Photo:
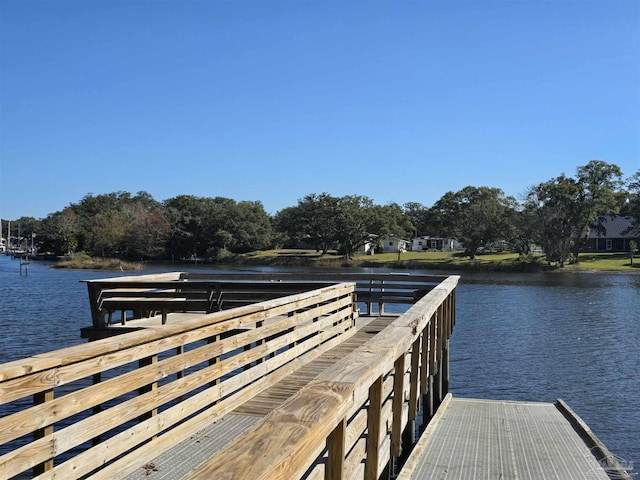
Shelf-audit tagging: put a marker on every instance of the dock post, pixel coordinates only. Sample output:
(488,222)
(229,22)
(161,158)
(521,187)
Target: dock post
(445,369)
(429,409)
(47,465)
(374,426)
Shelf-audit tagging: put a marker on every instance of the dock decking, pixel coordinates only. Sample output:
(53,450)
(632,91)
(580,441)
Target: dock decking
(494,439)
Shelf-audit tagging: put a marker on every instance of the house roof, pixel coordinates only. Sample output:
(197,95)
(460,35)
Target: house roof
(614,226)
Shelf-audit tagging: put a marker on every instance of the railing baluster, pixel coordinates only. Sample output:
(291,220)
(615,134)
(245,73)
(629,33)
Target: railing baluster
(38,399)
(414,388)
(398,400)
(336,452)
(374,423)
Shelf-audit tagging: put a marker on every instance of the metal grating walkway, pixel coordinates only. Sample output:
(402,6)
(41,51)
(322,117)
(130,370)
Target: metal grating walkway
(491,439)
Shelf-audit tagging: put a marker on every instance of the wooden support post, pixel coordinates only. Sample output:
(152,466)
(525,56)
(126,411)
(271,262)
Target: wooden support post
(336,452)
(143,362)
(381,304)
(424,360)
(180,351)
(259,342)
(445,369)
(214,360)
(97,378)
(438,396)
(433,363)
(97,317)
(424,377)
(40,398)
(430,409)
(373,430)
(398,400)
(413,389)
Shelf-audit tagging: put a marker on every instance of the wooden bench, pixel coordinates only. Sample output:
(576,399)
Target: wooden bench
(232,294)
(148,298)
(104,409)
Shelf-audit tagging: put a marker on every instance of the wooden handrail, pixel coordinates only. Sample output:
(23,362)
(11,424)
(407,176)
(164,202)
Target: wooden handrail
(291,440)
(149,403)
(136,395)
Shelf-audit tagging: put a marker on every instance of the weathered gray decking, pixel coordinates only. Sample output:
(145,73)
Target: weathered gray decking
(493,439)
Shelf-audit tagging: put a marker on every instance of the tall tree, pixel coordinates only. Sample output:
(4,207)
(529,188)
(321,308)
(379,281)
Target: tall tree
(353,219)
(556,216)
(313,219)
(476,216)
(632,204)
(422,218)
(148,230)
(67,227)
(390,221)
(599,184)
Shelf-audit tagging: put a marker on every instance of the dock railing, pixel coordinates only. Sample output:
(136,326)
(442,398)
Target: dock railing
(204,292)
(354,419)
(108,407)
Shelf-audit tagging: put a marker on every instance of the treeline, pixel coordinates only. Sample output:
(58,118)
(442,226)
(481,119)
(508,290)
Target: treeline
(553,215)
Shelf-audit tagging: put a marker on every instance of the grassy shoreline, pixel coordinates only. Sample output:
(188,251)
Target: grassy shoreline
(494,262)
(448,261)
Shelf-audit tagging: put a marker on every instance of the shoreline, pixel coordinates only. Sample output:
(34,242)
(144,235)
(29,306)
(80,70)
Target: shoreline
(496,263)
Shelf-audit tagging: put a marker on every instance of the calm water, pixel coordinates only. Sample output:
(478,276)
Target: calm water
(534,337)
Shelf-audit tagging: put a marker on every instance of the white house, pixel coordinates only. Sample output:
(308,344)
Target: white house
(394,244)
(420,244)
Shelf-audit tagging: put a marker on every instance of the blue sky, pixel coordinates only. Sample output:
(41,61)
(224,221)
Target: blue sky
(270,101)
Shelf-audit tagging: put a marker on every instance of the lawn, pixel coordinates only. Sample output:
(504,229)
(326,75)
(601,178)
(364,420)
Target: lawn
(445,260)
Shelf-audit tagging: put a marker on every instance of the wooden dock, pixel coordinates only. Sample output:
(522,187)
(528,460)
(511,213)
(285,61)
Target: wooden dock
(289,380)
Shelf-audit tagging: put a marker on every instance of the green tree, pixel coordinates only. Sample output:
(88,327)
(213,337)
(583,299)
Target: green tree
(632,202)
(599,186)
(353,220)
(556,216)
(251,227)
(67,226)
(313,219)
(476,216)
(147,231)
(187,215)
(389,220)
(522,229)
(422,218)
